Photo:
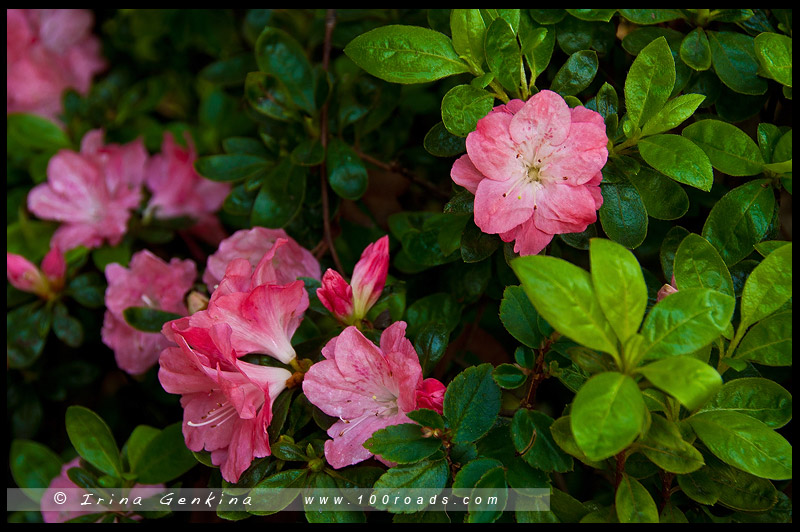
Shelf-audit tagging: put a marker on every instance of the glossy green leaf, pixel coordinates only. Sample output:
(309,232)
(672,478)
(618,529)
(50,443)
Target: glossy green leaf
(689,380)
(739,490)
(608,414)
(674,113)
(774,54)
(729,149)
(463,106)
(686,321)
(734,60)
(649,82)
(229,167)
(664,446)
(768,287)
(281,195)
(699,265)
(695,50)
(663,198)
(576,74)
(768,342)
(427,474)
(403,444)
(346,173)
(678,158)
(279,54)
(562,294)
(441,143)
(165,457)
(471,403)
(148,319)
(469,30)
(33,466)
(519,316)
(503,54)
(530,431)
(623,214)
(739,220)
(650,16)
(405,54)
(634,503)
(509,376)
(762,399)
(92,438)
(744,443)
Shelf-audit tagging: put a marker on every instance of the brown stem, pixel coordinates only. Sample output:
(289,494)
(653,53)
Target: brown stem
(538,375)
(666,484)
(330,22)
(621,457)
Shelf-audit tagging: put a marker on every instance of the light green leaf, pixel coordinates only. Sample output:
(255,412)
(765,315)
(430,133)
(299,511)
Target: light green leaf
(689,380)
(729,149)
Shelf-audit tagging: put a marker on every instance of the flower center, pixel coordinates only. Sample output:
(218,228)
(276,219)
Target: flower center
(533,174)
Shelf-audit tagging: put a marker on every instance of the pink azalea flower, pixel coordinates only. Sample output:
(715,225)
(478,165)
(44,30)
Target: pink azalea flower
(177,189)
(368,388)
(53,512)
(148,282)
(25,276)
(92,192)
(350,303)
(48,51)
(291,262)
(227,403)
(534,168)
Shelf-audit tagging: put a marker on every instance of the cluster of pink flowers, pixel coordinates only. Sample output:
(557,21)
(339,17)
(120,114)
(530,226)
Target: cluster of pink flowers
(256,305)
(534,168)
(94,192)
(48,51)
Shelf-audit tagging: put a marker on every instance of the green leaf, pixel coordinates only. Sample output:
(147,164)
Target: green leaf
(405,54)
(530,431)
(280,196)
(695,50)
(768,287)
(35,132)
(509,376)
(33,466)
(678,158)
(137,443)
(699,265)
(229,167)
(165,457)
(463,106)
(404,443)
(494,480)
(768,342)
(774,54)
(562,294)
(346,173)
(428,475)
(729,149)
(430,344)
(634,503)
(762,399)
(441,143)
(664,446)
(649,82)
(744,443)
(471,403)
(267,95)
(674,113)
(148,319)
(537,45)
(427,418)
(699,486)
(740,219)
(739,490)
(608,414)
(281,488)
(27,328)
(734,60)
(623,214)
(663,198)
(650,16)
(279,54)
(689,380)
(592,15)
(519,317)
(308,153)
(469,475)
(468,29)
(503,54)
(686,321)
(576,74)
(92,438)
(619,285)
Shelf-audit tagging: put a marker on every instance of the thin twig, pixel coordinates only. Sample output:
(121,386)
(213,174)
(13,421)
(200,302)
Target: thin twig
(330,22)
(397,168)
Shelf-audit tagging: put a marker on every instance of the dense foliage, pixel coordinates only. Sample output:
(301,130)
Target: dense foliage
(589,260)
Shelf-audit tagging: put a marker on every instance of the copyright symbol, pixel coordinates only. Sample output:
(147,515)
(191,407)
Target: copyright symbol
(60,497)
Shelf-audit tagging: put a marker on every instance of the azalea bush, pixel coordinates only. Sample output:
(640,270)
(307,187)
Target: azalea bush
(281,252)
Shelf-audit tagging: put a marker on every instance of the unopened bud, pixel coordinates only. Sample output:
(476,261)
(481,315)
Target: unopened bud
(196,302)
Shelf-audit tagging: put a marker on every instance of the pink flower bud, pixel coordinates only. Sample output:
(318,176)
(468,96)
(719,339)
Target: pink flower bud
(431,395)
(23,275)
(336,295)
(369,276)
